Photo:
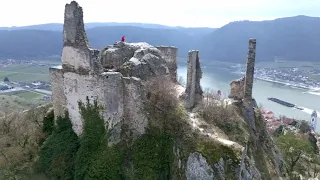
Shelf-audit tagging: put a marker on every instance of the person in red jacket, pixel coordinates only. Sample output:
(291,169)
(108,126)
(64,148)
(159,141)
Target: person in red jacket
(123,38)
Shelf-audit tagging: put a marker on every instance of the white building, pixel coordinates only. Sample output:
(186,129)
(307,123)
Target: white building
(313,122)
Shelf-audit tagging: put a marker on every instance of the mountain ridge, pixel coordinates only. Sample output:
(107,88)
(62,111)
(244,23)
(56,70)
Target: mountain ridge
(292,38)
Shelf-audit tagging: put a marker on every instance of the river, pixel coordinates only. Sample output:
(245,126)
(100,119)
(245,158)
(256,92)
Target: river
(218,78)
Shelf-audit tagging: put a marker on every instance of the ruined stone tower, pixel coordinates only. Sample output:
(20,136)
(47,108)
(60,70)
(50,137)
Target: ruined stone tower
(114,76)
(241,89)
(193,90)
(250,70)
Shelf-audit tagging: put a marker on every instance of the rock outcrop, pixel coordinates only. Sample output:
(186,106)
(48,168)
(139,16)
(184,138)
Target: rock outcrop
(117,77)
(198,168)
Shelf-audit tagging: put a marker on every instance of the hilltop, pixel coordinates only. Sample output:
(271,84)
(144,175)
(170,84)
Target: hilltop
(292,38)
(119,113)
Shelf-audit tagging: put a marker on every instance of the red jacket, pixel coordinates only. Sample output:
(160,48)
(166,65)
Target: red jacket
(122,39)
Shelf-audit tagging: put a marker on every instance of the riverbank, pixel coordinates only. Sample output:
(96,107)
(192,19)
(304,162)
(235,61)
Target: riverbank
(314,93)
(309,90)
(285,83)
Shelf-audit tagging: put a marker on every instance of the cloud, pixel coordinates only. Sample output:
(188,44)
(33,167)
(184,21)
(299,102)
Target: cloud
(213,13)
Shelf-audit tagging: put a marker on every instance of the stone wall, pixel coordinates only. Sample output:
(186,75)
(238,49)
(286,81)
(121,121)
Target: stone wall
(134,96)
(110,90)
(58,97)
(193,90)
(170,54)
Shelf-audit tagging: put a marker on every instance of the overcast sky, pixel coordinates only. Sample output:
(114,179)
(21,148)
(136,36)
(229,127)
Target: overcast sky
(189,13)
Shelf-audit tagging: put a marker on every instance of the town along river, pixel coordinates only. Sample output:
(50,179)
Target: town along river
(217,77)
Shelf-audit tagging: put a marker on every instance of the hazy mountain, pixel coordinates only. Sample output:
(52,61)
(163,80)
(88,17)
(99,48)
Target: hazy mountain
(59,27)
(34,44)
(293,38)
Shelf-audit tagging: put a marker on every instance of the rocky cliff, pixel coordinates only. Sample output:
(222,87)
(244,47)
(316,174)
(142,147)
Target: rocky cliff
(167,132)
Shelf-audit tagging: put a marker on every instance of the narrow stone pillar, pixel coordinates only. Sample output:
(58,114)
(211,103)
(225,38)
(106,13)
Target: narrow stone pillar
(194,92)
(76,54)
(73,29)
(250,70)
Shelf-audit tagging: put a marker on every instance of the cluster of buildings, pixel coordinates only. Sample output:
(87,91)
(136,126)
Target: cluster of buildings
(291,75)
(34,84)
(4,87)
(272,122)
(8,62)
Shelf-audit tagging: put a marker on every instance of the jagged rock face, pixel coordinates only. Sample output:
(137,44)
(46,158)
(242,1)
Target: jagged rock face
(198,168)
(264,152)
(237,89)
(135,60)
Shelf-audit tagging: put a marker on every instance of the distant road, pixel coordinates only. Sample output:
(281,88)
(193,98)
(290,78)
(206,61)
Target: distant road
(25,73)
(17,88)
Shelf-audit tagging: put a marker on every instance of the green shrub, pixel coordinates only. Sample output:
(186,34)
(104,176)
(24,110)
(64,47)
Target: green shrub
(220,114)
(313,142)
(153,155)
(92,137)
(106,164)
(57,154)
(48,123)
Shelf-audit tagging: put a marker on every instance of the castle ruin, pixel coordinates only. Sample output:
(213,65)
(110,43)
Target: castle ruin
(115,76)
